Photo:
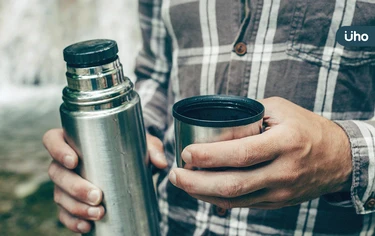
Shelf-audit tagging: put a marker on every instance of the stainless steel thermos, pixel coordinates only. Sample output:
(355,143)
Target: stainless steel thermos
(102,120)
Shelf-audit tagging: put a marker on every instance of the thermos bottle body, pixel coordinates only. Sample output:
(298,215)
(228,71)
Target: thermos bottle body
(102,121)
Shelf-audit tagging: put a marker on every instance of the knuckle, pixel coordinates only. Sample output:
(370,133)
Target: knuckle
(47,135)
(225,203)
(69,221)
(292,176)
(300,139)
(289,174)
(79,190)
(288,178)
(250,155)
(62,217)
(244,159)
(57,196)
(295,140)
(231,188)
(283,196)
(52,171)
(187,186)
(77,210)
(201,156)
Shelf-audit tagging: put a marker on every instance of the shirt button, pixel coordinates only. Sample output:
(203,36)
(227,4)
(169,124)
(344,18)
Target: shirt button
(370,204)
(221,211)
(240,48)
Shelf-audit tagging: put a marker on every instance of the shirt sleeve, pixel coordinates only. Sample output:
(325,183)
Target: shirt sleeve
(362,140)
(153,65)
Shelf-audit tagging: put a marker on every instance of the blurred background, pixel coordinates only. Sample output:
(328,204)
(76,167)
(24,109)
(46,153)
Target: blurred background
(33,34)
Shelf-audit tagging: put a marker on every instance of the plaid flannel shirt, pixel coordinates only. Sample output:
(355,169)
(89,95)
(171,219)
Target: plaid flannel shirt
(288,49)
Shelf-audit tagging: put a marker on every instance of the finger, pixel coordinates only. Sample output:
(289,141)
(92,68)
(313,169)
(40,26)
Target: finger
(156,152)
(243,152)
(268,205)
(228,203)
(73,223)
(264,198)
(225,184)
(77,208)
(59,150)
(74,185)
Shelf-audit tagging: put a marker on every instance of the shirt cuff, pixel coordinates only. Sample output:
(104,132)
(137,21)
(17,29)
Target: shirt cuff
(361,136)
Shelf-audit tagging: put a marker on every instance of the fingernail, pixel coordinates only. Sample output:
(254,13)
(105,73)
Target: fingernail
(93,212)
(186,156)
(94,196)
(81,226)
(69,161)
(172,177)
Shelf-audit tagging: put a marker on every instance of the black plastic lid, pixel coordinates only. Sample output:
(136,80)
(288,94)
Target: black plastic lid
(91,53)
(218,111)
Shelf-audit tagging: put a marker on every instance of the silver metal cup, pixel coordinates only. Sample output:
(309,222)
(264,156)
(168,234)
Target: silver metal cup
(214,118)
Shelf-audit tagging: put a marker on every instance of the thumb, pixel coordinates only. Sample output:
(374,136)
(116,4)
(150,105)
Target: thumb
(156,151)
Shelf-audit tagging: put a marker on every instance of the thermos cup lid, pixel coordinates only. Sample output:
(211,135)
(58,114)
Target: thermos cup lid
(218,111)
(91,53)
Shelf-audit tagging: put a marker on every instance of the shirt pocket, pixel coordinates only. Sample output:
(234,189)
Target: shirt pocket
(313,30)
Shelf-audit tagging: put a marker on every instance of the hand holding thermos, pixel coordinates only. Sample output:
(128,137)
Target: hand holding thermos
(103,125)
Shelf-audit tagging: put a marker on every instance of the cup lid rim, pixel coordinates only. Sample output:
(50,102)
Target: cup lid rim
(252,104)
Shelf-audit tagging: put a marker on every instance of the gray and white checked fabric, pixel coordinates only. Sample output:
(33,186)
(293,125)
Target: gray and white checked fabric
(188,50)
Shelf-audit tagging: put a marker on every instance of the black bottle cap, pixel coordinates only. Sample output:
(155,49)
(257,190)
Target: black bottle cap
(91,53)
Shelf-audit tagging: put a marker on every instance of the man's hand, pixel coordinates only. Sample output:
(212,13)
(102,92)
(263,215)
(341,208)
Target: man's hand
(299,157)
(79,200)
